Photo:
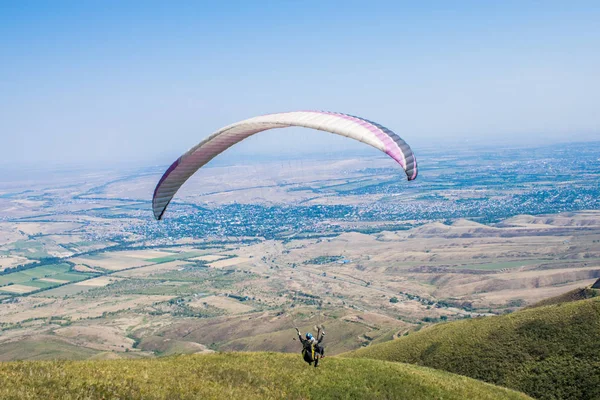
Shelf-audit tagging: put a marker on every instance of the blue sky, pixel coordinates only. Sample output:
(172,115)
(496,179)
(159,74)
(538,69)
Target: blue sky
(105,82)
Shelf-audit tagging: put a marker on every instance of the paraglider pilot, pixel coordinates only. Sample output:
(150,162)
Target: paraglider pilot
(311,346)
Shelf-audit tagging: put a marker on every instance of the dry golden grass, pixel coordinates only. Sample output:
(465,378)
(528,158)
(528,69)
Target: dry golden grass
(229,262)
(114,261)
(99,282)
(97,337)
(152,269)
(52,280)
(76,309)
(225,303)
(18,288)
(11,261)
(84,268)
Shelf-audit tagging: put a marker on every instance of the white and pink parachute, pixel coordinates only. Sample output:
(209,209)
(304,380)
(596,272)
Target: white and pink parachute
(350,126)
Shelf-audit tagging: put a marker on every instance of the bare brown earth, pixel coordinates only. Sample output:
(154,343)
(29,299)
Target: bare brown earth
(11,261)
(143,306)
(173,295)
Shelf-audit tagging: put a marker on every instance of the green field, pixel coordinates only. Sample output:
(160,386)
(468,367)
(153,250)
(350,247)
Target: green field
(30,277)
(238,376)
(41,284)
(15,277)
(548,352)
(45,271)
(28,248)
(72,276)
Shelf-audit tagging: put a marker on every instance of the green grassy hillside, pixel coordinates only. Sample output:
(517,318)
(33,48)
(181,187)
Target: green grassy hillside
(237,376)
(547,352)
(573,295)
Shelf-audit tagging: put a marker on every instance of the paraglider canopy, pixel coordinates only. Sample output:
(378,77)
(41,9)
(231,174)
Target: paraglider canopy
(350,126)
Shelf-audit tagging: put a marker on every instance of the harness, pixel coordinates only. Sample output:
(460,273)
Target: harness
(312,350)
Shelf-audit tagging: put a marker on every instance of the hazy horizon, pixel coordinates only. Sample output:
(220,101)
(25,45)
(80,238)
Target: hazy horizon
(141,83)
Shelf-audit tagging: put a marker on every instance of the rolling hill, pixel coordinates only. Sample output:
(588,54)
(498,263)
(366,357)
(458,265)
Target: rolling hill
(573,295)
(548,352)
(238,375)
